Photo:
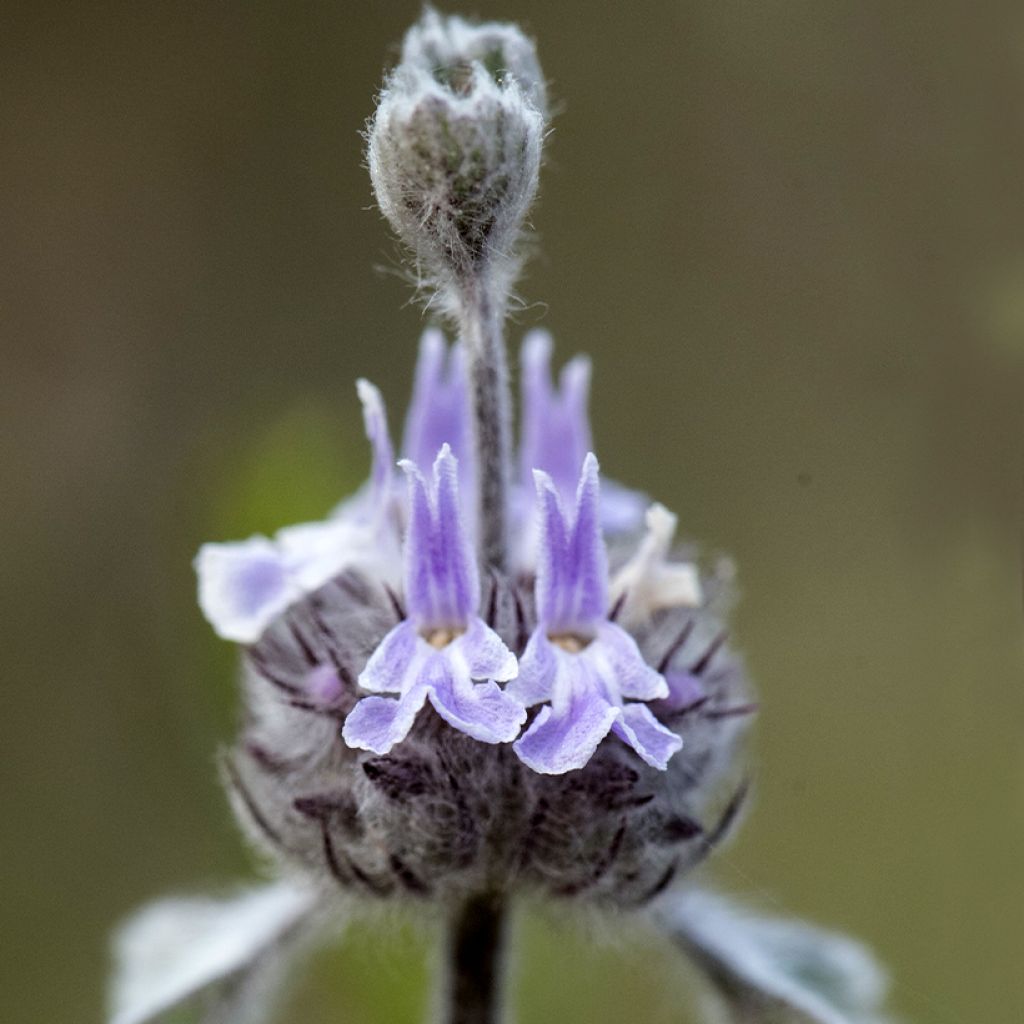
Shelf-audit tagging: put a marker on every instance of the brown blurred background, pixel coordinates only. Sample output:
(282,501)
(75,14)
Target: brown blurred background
(792,236)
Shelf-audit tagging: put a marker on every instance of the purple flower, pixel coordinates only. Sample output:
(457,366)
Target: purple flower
(584,665)
(555,433)
(245,585)
(439,409)
(442,646)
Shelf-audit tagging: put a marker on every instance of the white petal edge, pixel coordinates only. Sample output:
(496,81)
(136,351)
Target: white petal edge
(804,974)
(174,950)
(236,610)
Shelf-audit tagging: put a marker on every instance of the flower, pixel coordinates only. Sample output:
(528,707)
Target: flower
(439,410)
(556,436)
(245,585)
(625,774)
(443,645)
(577,659)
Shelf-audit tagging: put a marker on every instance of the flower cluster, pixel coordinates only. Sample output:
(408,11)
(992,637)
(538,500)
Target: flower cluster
(582,670)
(584,688)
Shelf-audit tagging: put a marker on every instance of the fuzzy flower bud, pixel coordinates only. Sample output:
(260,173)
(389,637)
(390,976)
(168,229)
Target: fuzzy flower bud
(455,145)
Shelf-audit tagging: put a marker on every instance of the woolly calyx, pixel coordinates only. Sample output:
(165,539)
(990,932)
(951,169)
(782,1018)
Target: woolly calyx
(455,145)
(441,44)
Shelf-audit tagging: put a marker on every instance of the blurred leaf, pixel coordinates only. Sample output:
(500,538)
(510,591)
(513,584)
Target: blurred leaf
(771,970)
(203,961)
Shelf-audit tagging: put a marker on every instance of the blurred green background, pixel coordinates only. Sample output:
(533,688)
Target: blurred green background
(791,234)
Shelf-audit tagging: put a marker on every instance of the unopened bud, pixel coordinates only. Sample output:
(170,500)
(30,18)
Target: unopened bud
(441,45)
(455,145)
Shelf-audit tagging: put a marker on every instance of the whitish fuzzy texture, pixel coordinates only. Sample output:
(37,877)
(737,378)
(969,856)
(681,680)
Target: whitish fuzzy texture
(439,44)
(443,816)
(772,969)
(221,958)
(454,149)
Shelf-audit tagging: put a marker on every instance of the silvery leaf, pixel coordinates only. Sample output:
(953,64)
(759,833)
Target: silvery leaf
(767,970)
(208,961)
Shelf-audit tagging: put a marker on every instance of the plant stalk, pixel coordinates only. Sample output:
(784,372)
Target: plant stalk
(475,953)
(481,316)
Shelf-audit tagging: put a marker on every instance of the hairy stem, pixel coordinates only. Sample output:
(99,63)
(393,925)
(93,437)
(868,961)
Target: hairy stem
(475,951)
(481,313)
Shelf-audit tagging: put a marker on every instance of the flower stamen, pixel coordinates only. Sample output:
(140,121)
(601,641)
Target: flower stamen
(441,638)
(571,643)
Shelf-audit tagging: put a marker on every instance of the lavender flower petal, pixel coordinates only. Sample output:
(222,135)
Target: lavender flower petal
(572,566)
(622,509)
(243,587)
(378,723)
(376,422)
(442,588)
(638,727)
(323,684)
(439,409)
(622,661)
(390,667)
(483,653)
(538,671)
(555,426)
(556,434)
(313,553)
(684,690)
(564,739)
(480,710)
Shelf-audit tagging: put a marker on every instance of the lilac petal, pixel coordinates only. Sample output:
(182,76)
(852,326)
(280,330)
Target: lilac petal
(622,509)
(314,553)
(646,735)
(684,690)
(378,723)
(243,587)
(323,684)
(442,588)
(375,419)
(480,710)
(391,666)
(439,408)
(620,659)
(483,653)
(572,565)
(538,669)
(559,742)
(555,426)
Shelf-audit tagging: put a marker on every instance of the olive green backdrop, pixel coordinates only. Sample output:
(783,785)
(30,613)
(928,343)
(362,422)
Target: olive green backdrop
(791,234)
